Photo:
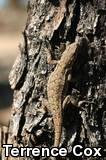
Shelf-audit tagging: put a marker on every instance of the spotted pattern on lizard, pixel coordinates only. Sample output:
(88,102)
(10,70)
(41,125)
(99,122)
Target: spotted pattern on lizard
(56,84)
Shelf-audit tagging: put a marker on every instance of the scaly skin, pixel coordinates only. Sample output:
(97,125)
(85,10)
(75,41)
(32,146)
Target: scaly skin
(55,87)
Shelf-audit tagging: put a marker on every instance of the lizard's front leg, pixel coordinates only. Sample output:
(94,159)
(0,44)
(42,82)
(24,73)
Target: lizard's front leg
(48,50)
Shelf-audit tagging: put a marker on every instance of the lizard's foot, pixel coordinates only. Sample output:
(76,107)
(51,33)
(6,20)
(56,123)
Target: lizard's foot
(48,49)
(45,104)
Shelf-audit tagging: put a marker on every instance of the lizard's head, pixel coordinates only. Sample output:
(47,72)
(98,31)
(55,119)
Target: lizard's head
(72,50)
(69,55)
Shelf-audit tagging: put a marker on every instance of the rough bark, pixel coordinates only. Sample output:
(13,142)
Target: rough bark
(59,22)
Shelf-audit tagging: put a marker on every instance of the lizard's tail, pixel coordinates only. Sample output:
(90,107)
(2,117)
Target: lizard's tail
(58,128)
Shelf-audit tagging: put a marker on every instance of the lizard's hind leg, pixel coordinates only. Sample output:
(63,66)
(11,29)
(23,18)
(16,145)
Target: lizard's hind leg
(69,99)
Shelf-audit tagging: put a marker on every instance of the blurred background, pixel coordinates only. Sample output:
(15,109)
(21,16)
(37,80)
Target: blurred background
(12,22)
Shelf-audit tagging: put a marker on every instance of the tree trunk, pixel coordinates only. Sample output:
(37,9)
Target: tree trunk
(54,24)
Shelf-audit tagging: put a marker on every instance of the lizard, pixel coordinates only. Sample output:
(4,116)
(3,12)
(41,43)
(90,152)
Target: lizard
(56,84)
